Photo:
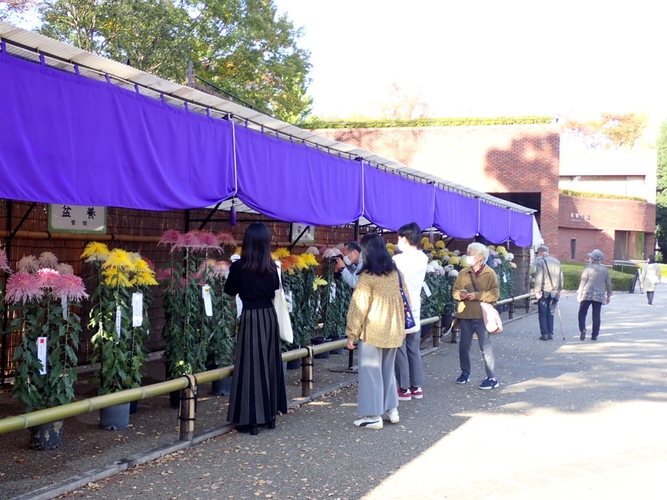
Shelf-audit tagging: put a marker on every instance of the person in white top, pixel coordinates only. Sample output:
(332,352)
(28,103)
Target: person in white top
(412,263)
(651,276)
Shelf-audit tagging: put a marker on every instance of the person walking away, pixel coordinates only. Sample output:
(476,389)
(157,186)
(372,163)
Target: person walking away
(411,262)
(376,319)
(594,290)
(548,285)
(650,277)
(258,384)
(475,284)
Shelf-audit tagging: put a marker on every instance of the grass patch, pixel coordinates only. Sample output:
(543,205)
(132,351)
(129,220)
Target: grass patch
(572,276)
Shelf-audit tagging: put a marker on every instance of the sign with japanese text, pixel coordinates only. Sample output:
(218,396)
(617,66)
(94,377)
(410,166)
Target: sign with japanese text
(77,219)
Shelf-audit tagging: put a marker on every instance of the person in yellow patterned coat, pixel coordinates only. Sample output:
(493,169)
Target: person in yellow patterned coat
(376,319)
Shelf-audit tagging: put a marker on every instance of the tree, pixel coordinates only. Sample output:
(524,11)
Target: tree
(661,199)
(611,131)
(241,46)
(403,105)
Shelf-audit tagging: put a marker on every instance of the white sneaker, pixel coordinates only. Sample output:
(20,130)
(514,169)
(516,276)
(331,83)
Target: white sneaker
(392,416)
(370,422)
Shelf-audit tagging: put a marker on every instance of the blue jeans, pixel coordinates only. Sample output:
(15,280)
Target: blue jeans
(546,315)
(468,327)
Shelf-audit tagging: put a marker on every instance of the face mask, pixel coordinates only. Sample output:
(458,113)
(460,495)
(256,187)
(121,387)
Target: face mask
(470,260)
(347,260)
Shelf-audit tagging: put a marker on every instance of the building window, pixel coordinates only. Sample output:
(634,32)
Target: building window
(573,249)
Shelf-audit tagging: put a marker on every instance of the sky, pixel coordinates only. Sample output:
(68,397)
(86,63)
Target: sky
(485,58)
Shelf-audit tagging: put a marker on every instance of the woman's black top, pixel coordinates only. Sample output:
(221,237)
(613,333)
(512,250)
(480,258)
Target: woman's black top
(255,289)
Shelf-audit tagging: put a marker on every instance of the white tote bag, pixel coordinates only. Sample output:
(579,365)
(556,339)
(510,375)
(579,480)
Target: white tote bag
(280,304)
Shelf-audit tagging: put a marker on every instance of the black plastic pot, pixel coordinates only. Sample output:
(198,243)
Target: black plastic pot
(446,320)
(222,387)
(133,407)
(116,417)
(294,364)
(318,341)
(339,350)
(46,436)
(426,331)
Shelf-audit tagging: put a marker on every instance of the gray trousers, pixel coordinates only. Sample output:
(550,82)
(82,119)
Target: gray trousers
(468,327)
(409,367)
(377,384)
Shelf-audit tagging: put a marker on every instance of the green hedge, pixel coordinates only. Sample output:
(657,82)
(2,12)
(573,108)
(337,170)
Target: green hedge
(583,194)
(429,122)
(626,268)
(572,275)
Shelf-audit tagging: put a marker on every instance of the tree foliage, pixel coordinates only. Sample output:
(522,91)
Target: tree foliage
(661,199)
(242,46)
(403,105)
(611,131)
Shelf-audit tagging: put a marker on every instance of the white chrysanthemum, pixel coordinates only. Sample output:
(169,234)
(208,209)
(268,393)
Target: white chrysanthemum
(457,252)
(509,256)
(313,251)
(448,268)
(430,267)
(453,273)
(331,252)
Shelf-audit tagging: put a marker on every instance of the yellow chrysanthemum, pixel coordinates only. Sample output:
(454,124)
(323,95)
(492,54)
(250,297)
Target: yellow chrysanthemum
(141,266)
(425,240)
(115,277)
(512,265)
(441,253)
(427,245)
(391,251)
(454,260)
(501,250)
(119,258)
(300,262)
(145,278)
(282,252)
(95,252)
(390,246)
(309,260)
(238,252)
(440,244)
(134,257)
(463,263)
(491,247)
(318,282)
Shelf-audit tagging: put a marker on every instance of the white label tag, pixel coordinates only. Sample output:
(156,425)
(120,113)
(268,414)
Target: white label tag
(208,304)
(41,354)
(137,309)
(505,278)
(119,316)
(332,292)
(426,289)
(289,299)
(65,306)
(239,306)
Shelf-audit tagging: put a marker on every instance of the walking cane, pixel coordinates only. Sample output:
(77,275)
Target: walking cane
(560,319)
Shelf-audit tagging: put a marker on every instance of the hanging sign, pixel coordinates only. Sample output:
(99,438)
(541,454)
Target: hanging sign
(137,309)
(119,317)
(208,304)
(41,354)
(426,289)
(65,218)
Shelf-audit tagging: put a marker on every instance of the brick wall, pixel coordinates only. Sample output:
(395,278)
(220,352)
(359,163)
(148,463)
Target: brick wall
(500,160)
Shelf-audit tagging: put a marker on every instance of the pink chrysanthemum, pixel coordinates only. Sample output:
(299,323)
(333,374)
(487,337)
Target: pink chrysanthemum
(64,269)
(221,269)
(70,287)
(169,238)
(23,287)
(206,266)
(48,260)
(226,239)
(4,263)
(47,278)
(28,264)
(209,241)
(164,274)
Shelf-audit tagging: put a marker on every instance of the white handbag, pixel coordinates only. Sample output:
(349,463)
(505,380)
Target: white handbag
(280,305)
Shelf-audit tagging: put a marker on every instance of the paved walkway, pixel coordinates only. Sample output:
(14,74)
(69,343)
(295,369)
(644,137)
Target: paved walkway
(571,420)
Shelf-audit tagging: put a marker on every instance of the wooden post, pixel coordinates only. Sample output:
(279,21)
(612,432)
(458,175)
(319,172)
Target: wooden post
(437,333)
(186,412)
(511,312)
(307,373)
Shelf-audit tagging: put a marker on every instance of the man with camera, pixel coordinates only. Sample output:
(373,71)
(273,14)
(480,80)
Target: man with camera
(548,285)
(350,263)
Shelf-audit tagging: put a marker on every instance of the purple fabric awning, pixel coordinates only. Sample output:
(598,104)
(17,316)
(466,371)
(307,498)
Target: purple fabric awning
(65,138)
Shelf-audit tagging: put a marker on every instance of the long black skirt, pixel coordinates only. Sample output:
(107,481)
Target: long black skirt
(258,383)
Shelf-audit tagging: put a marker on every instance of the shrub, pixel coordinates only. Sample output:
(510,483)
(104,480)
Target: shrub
(572,274)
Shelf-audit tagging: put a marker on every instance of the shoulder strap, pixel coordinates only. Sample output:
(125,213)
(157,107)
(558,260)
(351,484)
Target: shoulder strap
(546,264)
(472,278)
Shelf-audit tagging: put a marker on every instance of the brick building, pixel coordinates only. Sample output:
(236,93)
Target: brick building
(524,164)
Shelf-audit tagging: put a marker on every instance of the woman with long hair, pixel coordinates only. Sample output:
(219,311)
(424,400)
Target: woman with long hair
(651,275)
(258,383)
(377,319)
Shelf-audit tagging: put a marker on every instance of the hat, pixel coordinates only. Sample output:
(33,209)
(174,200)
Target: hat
(596,255)
(542,248)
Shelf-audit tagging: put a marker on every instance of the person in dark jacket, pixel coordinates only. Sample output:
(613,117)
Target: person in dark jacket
(258,384)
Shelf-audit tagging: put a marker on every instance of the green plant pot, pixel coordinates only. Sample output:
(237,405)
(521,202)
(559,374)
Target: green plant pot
(46,436)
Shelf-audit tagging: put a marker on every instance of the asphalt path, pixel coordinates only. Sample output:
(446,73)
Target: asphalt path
(571,419)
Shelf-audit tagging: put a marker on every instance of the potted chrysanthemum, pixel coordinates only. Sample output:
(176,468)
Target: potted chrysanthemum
(45,300)
(119,320)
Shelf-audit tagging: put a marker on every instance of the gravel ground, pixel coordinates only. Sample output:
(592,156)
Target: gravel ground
(571,419)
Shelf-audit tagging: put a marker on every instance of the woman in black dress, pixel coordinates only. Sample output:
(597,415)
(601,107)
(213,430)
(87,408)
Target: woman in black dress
(258,383)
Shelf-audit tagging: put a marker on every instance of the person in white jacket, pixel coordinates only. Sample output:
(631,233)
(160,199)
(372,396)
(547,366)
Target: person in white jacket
(650,277)
(412,263)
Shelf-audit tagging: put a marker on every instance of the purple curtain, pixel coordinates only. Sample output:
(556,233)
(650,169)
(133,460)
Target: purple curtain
(296,183)
(456,215)
(494,223)
(521,228)
(391,201)
(69,139)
